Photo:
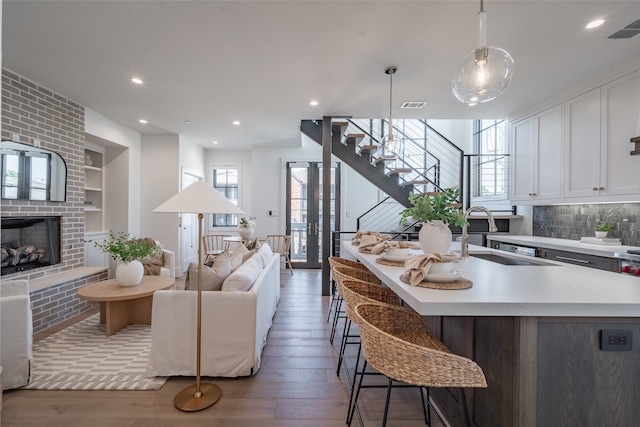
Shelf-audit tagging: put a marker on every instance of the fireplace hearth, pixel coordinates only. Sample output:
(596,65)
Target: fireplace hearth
(30,242)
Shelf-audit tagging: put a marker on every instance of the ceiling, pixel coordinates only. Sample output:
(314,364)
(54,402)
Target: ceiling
(208,63)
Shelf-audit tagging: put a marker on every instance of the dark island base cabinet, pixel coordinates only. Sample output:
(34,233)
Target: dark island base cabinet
(543,372)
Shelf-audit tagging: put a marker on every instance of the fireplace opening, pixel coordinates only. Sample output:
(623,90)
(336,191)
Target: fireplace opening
(30,242)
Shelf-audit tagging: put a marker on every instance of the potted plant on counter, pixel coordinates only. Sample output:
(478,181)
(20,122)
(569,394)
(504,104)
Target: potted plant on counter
(437,210)
(602,230)
(127,251)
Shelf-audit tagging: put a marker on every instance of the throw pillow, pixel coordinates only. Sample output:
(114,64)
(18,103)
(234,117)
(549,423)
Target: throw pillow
(242,279)
(237,257)
(265,254)
(212,277)
(152,264)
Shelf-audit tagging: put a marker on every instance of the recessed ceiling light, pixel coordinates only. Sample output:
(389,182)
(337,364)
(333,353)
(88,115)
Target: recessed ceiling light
(313,103)
(595,24)
(143,121)
(236,122)
(214,142)
(136,81)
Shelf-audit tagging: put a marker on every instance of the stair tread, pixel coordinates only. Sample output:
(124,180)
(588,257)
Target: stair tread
(364,148)
(352,138)
(384,159)
(418,182)
(340,124)
(397,171)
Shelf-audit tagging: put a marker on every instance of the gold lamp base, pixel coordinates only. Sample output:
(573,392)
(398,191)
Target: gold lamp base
(186,400)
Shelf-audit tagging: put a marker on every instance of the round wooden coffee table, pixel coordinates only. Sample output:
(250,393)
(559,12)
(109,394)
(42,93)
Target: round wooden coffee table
(125,305)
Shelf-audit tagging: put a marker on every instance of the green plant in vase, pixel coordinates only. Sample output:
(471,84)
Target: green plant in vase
(442,206)
(602,230)
(437,210)
(128,251)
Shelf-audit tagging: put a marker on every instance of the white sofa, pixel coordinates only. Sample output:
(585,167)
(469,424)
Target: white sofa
(16,334)
(235,325)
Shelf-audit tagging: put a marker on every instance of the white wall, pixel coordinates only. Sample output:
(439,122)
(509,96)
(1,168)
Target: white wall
(110,130)
(460,132)
(263,171)
(160,168)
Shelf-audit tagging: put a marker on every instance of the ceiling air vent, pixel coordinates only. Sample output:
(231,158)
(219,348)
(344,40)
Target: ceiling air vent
(627,32)
(413,104)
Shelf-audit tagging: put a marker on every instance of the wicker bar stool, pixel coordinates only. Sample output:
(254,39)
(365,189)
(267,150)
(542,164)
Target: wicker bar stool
(341,272)
(335,296)
(398,344)
(356,292)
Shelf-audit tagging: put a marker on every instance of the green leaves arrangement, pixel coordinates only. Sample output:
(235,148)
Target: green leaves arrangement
(126,249)
(603,227)
(443,206)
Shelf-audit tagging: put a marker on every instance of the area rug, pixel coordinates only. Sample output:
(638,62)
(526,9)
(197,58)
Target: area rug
(82,357)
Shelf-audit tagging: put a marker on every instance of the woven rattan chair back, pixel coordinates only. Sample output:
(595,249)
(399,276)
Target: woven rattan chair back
(357,292)
(397,343)
(341,273)
(343,262)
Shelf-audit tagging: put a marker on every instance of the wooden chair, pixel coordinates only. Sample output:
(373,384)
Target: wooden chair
(214,244)
(281,244)
(398,344)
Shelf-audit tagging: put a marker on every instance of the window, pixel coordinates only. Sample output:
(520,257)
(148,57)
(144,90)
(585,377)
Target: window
(225,180)
(26,177)
(489,167)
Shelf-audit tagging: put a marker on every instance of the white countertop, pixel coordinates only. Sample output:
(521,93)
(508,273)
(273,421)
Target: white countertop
(556,289)
(561,244)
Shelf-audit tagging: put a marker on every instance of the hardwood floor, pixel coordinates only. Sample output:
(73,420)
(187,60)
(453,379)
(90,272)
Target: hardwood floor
(295,386)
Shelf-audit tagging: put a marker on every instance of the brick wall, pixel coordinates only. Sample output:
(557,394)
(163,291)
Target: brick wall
(36,113)
(55,304)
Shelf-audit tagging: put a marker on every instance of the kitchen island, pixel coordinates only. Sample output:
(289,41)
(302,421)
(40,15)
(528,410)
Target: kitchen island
(536,332)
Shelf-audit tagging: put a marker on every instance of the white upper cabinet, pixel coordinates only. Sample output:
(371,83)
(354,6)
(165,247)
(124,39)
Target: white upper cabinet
(536,158)
(582,145)
(620,171)
(598,127)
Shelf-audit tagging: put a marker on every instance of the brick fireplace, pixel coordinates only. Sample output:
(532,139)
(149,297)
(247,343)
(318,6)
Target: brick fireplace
(34,115)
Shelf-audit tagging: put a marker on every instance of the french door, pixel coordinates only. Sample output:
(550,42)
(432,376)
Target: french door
(304,210)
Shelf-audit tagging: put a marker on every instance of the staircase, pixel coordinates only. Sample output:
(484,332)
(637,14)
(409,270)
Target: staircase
(427,162)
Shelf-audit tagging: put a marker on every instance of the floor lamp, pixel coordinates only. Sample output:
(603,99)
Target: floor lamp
(198,198)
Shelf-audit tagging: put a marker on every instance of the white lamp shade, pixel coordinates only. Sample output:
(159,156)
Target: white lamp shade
(476,81)
(199,198)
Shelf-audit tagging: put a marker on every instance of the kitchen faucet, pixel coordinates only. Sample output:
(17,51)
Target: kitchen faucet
(464,241)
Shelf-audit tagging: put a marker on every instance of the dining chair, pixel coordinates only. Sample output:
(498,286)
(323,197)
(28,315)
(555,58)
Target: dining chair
(281,244)
(214,244)
(398,344)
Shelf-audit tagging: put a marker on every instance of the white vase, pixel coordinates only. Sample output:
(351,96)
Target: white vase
(245,233)
(601,234)
(129,273)
(435,237)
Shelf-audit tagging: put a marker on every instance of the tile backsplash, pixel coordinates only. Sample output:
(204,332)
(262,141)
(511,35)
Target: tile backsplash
(575,221)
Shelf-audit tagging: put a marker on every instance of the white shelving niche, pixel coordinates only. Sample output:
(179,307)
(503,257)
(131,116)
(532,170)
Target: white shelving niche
(94,183)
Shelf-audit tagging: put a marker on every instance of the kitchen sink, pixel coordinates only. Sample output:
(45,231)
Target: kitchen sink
(508,260)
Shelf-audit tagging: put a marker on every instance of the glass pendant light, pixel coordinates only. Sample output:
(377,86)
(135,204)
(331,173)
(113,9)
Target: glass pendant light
(485,73)
(390,145)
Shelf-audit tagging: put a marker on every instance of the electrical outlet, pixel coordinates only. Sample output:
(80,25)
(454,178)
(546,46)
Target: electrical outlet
(616,340)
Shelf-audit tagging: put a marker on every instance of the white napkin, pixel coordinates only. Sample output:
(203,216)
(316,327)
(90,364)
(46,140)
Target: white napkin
(417,268)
